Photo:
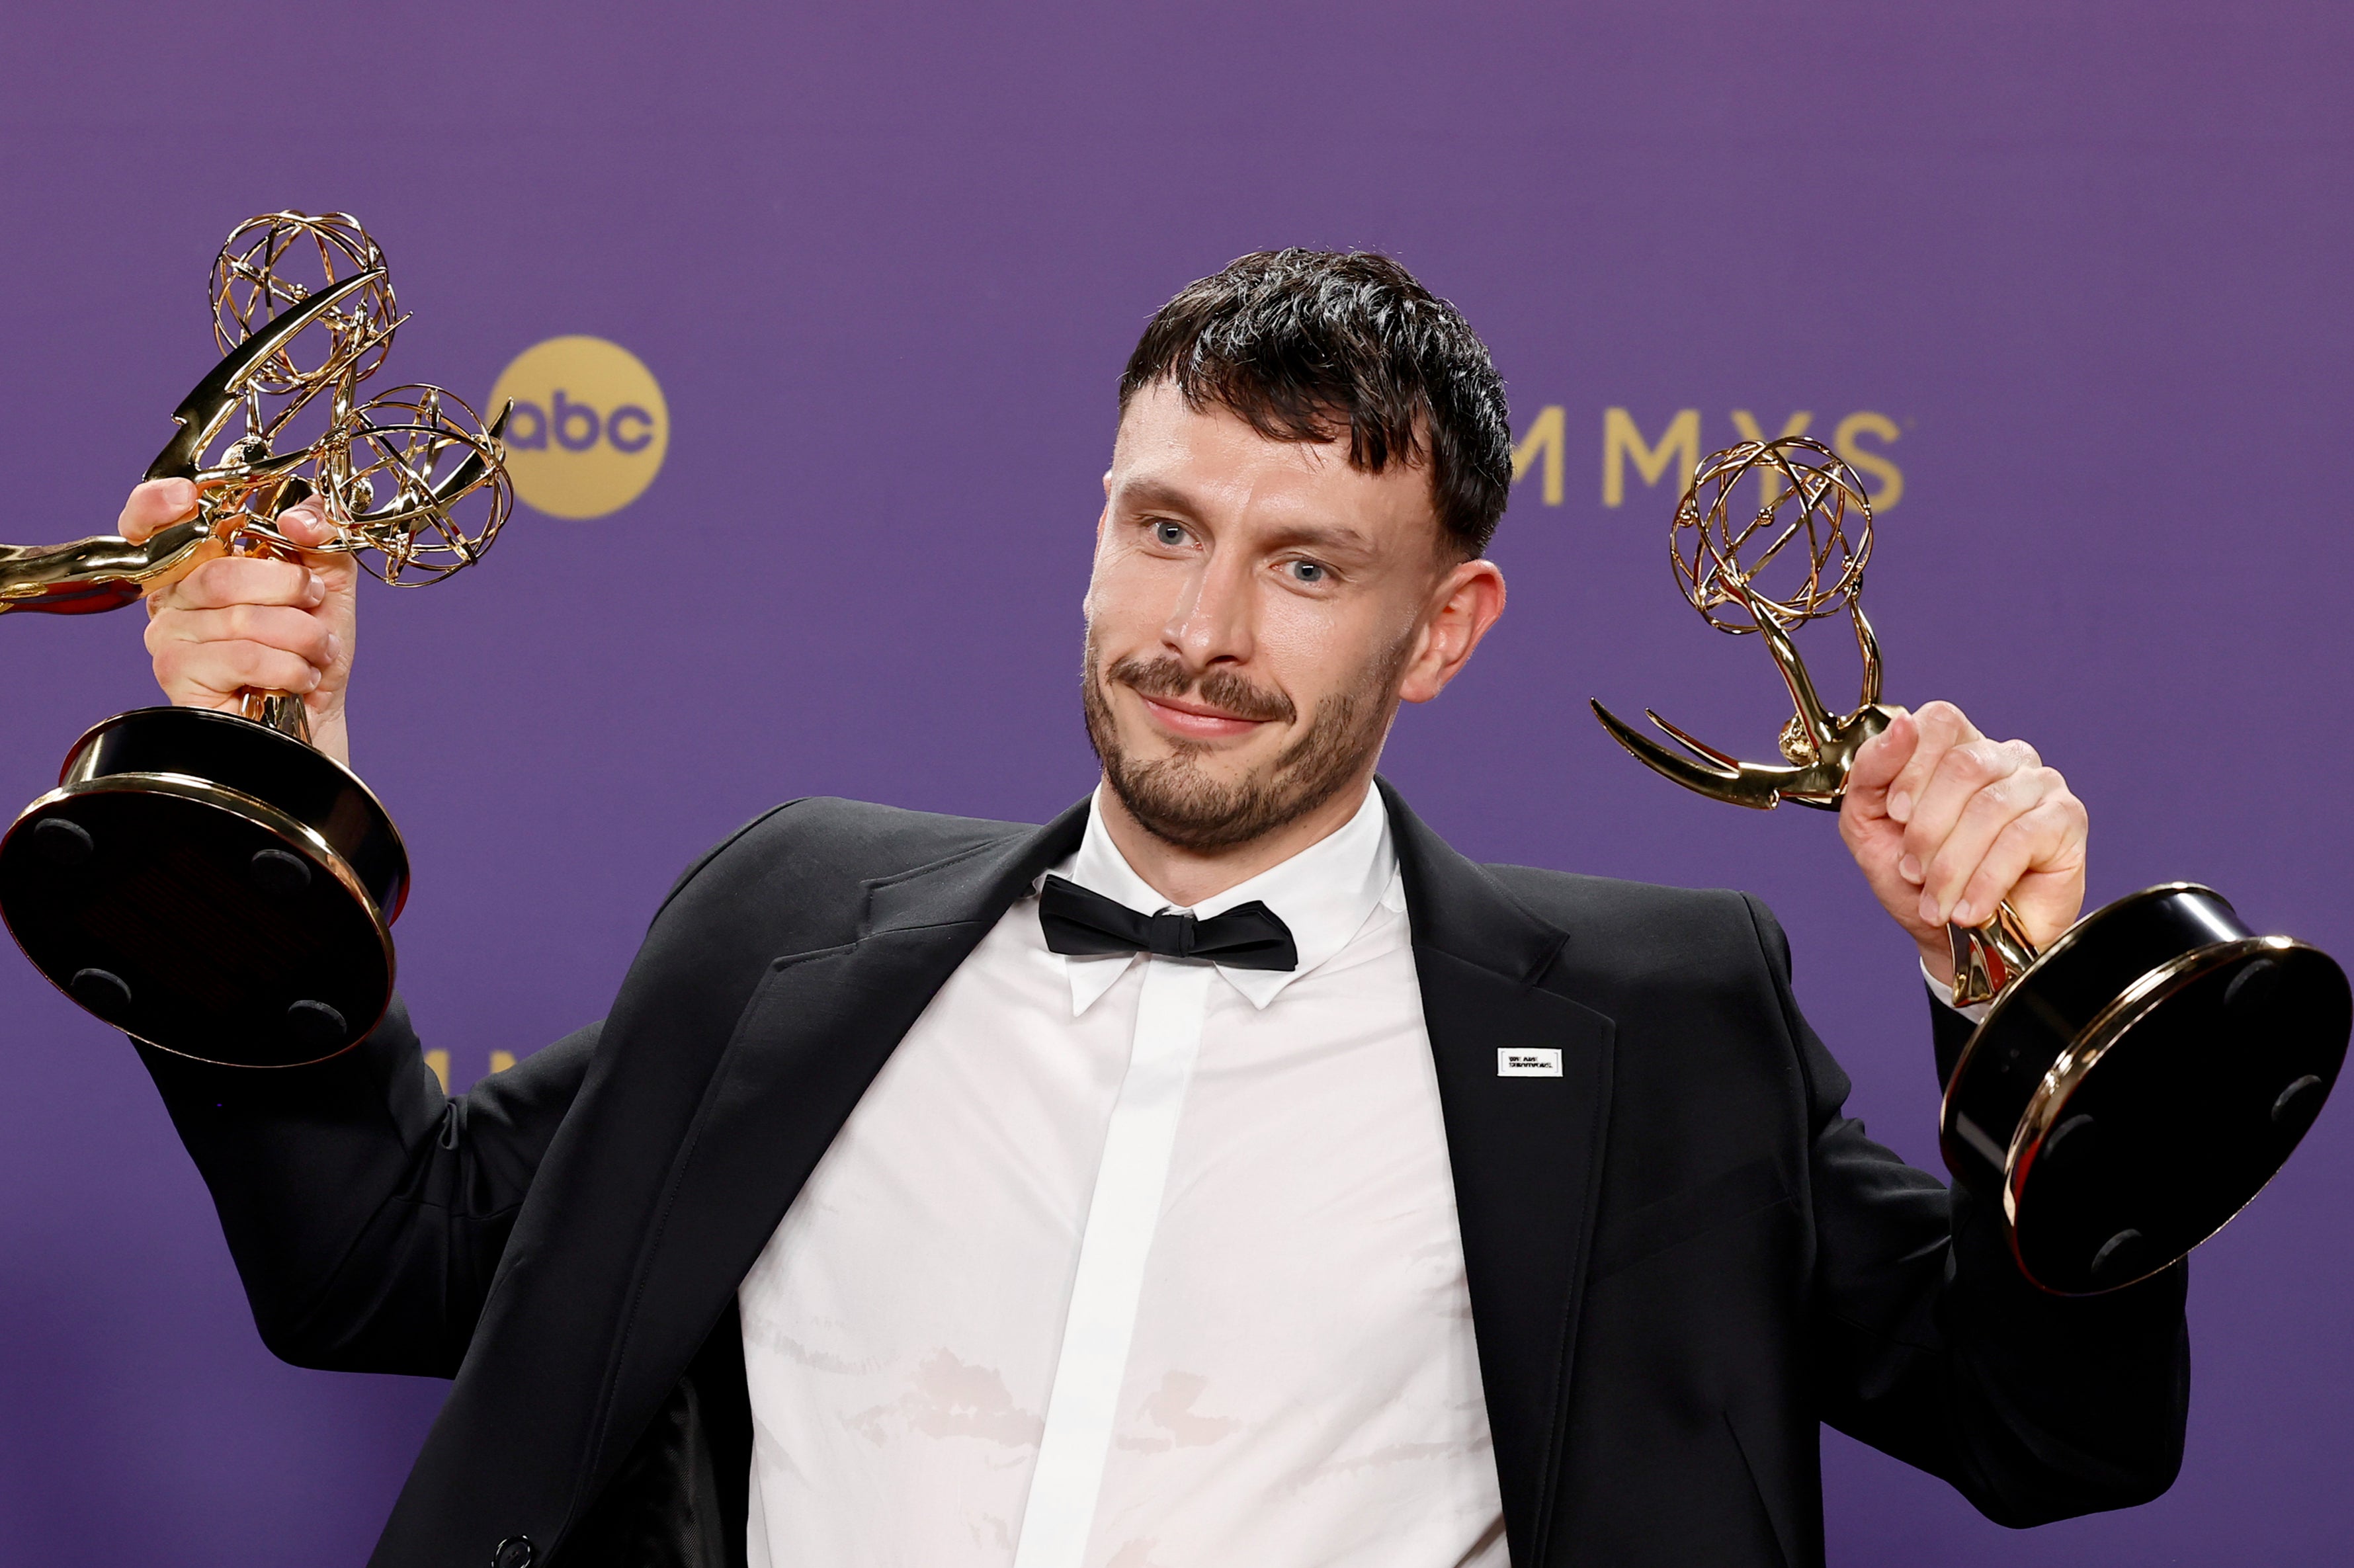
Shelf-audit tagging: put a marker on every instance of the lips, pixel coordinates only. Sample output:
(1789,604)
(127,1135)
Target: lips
(1195,722)
(1198,710)
(1211,706)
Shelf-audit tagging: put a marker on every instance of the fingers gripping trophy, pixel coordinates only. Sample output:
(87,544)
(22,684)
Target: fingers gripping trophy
(2133,1085)
(209,882)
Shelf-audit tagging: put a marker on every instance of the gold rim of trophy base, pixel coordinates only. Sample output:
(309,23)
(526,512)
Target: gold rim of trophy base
(83,756)
(262,814)
(2083,1054)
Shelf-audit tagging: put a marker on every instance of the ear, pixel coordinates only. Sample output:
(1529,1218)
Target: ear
(1467,601)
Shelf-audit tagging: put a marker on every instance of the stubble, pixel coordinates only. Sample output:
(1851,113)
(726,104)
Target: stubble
(1181,802)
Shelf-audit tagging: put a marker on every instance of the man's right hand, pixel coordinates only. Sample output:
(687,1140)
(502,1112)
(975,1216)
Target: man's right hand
(243,622)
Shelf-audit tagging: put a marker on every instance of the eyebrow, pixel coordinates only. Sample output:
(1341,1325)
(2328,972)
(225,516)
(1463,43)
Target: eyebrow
(1156,494)
(1331,539)
(1159,495)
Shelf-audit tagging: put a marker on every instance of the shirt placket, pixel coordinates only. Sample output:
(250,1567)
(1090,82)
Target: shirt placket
(1115,1246)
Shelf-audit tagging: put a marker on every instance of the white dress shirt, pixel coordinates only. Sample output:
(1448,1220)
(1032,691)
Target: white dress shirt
(1132,1262)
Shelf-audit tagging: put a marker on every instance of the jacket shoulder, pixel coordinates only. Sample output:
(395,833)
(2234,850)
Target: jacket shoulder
(817,853)
(1644,930)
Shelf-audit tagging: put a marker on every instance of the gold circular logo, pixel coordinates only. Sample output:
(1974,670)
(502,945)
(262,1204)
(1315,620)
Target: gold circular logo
(589,426)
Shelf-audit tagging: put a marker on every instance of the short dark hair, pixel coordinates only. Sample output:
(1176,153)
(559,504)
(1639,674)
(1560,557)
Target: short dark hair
(1297,342)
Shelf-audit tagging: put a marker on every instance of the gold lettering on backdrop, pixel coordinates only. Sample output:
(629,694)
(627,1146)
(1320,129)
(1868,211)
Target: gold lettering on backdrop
(438,1063)
(1541,449)
(1621,441)
(1548,434)
(1880,426)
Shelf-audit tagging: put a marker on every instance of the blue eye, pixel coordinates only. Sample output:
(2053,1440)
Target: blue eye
(1169,533)
(1306,572)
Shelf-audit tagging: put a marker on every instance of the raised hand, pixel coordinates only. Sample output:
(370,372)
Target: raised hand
(1946,823)
(243,622)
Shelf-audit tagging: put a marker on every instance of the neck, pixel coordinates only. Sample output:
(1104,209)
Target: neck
(1187,876)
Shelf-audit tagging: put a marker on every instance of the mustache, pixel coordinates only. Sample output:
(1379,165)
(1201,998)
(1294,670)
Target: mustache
(1219,688)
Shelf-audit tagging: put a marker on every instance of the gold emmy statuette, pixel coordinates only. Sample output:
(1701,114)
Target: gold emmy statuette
(2134,1084)
(209,882)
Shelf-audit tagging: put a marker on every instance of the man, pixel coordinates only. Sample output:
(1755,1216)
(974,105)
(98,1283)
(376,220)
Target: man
(1226,1172)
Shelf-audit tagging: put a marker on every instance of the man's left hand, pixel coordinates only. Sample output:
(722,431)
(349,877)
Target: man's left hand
(1946,824)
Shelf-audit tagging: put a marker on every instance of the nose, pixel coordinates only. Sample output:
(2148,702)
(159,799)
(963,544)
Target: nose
(1213,620)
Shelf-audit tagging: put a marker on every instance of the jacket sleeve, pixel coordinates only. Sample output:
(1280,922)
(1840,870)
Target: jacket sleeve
(364,1208)
(1930,1345)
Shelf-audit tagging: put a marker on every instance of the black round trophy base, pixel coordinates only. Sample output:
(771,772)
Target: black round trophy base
(211,887)
(2140,1083)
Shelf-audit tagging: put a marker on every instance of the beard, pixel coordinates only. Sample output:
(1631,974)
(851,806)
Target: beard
(1179,801)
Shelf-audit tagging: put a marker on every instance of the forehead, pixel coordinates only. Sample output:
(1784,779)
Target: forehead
(1212,462)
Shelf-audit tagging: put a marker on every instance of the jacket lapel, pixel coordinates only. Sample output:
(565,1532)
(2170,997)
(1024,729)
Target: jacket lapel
(1526,1153)
(819,1028)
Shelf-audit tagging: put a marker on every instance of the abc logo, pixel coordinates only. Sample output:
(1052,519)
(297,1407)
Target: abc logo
(589,426)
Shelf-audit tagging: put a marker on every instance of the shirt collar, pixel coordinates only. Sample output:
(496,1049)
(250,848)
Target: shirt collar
(1325,894)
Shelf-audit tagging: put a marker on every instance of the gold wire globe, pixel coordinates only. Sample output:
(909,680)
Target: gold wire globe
(1798,554)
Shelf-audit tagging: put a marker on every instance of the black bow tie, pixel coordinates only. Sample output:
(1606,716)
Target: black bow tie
(1080,922)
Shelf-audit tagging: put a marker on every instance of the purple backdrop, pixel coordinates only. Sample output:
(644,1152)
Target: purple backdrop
(2091,263)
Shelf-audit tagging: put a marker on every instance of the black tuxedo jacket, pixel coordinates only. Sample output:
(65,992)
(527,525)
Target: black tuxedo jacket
(1681,1257)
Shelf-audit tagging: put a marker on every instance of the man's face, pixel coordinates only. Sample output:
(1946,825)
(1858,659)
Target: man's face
(1257,609)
